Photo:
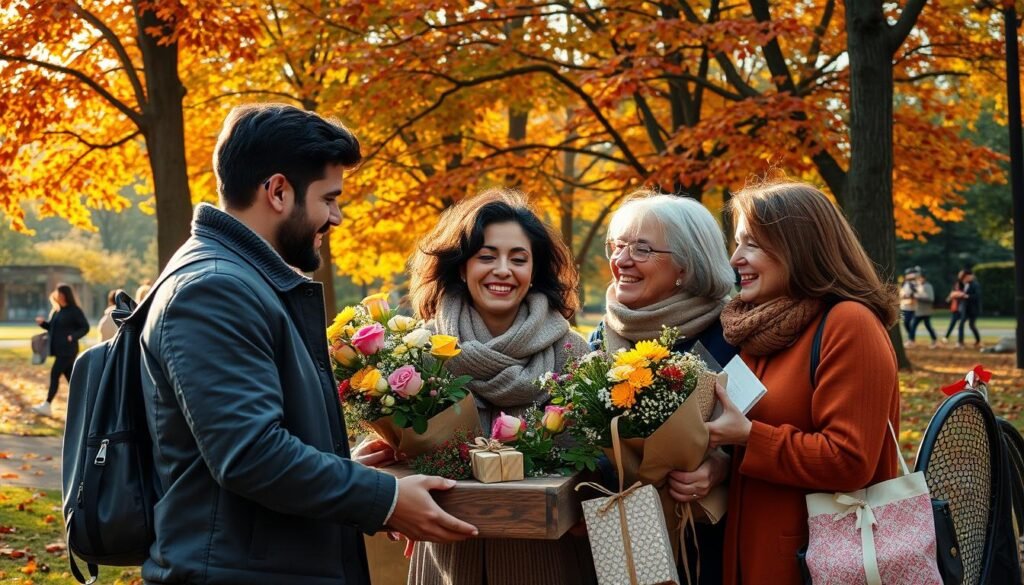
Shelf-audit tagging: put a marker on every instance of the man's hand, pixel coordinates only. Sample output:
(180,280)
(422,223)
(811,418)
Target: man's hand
(689,486)
(373,452)
(418,517)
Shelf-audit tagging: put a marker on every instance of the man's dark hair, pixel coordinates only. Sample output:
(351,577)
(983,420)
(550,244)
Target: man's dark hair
(259,140)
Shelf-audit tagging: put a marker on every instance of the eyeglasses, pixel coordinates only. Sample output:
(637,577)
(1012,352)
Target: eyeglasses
(638,251)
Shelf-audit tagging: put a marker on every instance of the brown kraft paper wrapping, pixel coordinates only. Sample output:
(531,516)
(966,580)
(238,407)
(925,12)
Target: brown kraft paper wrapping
(441,427)
(681,442)
(497,466)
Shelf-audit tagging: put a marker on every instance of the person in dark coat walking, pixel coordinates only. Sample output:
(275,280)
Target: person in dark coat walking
(970,309)
(67,324)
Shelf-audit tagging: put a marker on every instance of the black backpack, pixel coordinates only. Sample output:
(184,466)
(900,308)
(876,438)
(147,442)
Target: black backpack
(108,477)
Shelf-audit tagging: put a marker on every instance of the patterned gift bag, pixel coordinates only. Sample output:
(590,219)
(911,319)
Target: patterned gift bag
(628,534)
(881,535)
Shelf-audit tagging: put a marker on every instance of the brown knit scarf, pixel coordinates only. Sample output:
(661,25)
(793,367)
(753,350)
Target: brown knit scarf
(766,328)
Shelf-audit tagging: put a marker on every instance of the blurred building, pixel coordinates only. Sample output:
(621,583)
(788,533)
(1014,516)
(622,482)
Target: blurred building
(25,291)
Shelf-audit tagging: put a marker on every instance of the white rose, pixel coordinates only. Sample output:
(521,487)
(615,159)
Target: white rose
(401,323)
(416,338)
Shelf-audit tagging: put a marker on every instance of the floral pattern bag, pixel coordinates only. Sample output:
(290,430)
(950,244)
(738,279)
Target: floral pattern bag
(883,534)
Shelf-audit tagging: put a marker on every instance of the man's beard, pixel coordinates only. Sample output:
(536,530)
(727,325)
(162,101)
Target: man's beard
(298,241)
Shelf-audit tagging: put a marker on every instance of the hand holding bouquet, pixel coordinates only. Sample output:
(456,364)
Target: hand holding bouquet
(662,400)
(393,378)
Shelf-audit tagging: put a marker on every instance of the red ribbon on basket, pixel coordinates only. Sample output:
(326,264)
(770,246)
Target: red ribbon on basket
(980,375)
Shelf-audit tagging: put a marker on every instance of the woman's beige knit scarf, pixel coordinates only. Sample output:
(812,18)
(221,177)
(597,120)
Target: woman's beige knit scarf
(623,326)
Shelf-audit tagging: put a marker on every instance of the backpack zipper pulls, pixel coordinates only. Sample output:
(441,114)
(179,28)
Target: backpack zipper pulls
(78,498)
(101,455)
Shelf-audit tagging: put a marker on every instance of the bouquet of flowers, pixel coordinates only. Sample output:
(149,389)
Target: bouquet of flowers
(661,400)
(393,379)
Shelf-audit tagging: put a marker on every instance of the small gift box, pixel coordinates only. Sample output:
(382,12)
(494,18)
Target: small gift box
(629,538)
(493,462)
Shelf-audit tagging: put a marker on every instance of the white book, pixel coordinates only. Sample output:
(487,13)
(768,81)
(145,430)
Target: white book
(742,386)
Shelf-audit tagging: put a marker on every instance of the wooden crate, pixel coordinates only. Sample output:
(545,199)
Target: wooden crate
(539,508)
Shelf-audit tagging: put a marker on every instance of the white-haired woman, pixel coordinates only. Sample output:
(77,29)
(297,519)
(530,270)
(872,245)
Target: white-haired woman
(670,266)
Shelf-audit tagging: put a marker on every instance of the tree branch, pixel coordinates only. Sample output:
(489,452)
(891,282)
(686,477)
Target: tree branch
(898,32)
(215,98)
(92,145)
(122,54)
(132,115)
(929,74)
(458,84)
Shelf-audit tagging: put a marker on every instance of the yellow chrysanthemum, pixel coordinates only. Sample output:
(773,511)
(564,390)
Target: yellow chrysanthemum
(623,395)
(641,378)
(651,350)
(337,328)
(630,358)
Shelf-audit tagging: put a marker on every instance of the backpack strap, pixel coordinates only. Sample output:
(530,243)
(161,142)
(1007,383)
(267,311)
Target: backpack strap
(94,571)
(816,345)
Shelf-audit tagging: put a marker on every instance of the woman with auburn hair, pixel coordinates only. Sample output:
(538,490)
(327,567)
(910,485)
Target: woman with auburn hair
(797,258)
(493,275)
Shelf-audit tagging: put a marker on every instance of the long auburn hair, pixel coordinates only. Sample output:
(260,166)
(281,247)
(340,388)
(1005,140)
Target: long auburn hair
(798,226)
(435,267)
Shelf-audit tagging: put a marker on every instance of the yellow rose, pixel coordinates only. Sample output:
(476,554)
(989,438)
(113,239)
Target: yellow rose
(344,354)
(377,305)
(620,373)
(444,346)
(401,323)
(369,381)
(337,328)
(400,349)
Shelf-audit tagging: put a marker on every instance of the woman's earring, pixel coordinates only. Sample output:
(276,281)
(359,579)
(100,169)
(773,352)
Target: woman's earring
(679,282)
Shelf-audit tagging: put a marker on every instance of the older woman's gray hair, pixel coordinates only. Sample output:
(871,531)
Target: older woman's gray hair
(692,234)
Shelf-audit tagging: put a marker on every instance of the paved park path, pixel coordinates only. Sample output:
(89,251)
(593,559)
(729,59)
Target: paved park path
(30,461)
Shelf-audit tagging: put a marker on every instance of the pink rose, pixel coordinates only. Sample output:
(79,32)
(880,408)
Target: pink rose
(405,381)
(369,339)
(507,428)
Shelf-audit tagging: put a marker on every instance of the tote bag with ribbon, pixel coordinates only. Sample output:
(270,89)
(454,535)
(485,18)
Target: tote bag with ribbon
(882,534)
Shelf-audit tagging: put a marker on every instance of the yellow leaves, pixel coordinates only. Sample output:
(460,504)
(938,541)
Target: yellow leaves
(98,266)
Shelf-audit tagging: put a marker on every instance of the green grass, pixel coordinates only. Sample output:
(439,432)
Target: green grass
(18,331)
(32,541)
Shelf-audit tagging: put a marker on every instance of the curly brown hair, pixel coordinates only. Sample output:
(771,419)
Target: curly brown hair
(435,267)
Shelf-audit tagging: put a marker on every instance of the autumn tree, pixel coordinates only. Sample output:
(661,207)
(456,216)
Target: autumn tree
(690,97)
(94,101)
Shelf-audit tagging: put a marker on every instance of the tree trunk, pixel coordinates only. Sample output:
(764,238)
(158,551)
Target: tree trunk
(566,209)
(325,274)
(517,122)
(868,189)
(164,130)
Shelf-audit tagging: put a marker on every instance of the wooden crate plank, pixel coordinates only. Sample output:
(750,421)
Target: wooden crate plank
(539,508)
